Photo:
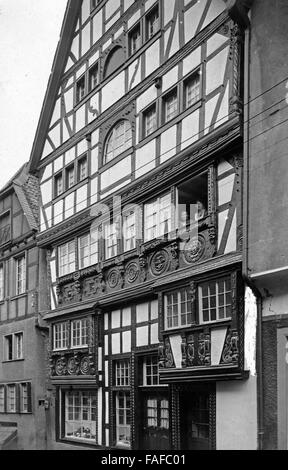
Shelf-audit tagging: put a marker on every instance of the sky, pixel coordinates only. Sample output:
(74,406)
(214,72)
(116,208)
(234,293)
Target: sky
(29,33)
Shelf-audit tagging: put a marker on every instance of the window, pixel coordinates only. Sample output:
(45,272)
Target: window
(80,415)
(80,89)
(79,333)
(20,275)
(66,258)
(170,106)
(70,177)
(93,77)
(11,398)
(150,120)
(1,282)
(115,59)
(82,169)
(123,418)
(150,371)
(192,89)
(2,398)
(88,249)
(119,140)
(129,231)
(215,300)
(110,233)
(18,339)
(192,200)
(25,397)
(5,228)
(135,39)
(8,340)
(122,373)
(157,217)
(58,185)
(177,309)
(13,345)
(152,23)
(157,413)
(60,336)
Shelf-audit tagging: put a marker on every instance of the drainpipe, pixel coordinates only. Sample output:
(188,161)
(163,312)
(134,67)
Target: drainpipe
(245,269)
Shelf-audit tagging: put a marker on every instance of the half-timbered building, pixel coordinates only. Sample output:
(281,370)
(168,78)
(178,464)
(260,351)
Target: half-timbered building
(152,328)
(22,337)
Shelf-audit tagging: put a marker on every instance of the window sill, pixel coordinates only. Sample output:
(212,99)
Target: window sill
(13,360)
(18,296)
(198,326)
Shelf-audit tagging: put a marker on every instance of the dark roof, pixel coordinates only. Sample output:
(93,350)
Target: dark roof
(58,68)
(26,187)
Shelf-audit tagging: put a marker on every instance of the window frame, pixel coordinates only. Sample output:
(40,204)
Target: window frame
(81,344)
(165,97)
(64,411)
(2,282)
(80,96)
(89,245)
(58,177)
(8,409)
(59,257)
(145,364)
(80,160)
(125,228)
(158,234)
(145,112)
(23,281)
(148,15)
(122,373)
(5,213)
(136,26)
(198,71)
(64,335)
(6,347)
(2,398)
(188,314)
(112,134)
(216,281)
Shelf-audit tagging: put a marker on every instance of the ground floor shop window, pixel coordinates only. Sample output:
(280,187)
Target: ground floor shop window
(80,415)
(123,414)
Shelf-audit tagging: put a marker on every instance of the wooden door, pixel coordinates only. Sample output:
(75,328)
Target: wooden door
(154,430)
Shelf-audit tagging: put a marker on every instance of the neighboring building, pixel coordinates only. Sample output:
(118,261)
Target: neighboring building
(152,327)
(22,350)
(266,247)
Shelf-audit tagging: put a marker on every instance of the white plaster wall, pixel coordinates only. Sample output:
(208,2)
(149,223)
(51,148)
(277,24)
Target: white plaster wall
(236,410)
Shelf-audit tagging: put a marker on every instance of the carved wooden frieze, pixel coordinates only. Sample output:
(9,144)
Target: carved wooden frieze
(230,354)
(80,363)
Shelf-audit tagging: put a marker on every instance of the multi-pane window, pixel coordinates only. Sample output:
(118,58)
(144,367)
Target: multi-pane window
(80,415)
(70,177)
(122,373)
(79,333)
(66,254)
(152,23)
(24,397)
(150,371)
(11,398)
(157,218)
(80,89)
(192,90)
(93,77)
(170,106)
(157,413)
(13,345)
(119,140)
(59,185)
(20,275)
(1,282)
(177,309)
(150,120)
(2,398)
(110,233)
(5,228)
(129,231)
(88,249)
(135,39)
(123,414)
(18,345)
(60,335)
(82,169)
(215,300)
